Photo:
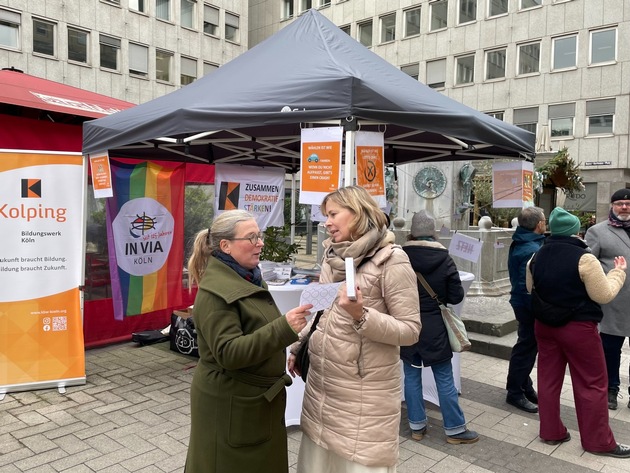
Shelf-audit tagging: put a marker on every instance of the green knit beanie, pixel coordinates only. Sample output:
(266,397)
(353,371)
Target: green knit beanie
(562,223)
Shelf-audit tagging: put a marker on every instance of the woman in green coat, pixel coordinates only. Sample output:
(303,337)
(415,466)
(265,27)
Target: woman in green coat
(238,391)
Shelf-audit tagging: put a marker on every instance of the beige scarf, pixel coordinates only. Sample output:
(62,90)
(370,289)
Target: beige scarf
(365,247)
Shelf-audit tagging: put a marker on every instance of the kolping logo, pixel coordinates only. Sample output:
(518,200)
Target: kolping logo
(32,188)
(141,225)
(228,195)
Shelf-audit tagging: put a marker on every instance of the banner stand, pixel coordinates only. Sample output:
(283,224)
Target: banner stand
(59,384)
(41,270)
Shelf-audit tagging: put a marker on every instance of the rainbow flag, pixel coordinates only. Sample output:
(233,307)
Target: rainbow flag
(145,235)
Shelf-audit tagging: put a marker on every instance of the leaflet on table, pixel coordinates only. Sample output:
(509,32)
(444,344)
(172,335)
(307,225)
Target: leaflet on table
(320,295)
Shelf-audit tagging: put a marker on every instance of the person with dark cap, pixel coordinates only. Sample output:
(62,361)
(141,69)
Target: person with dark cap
(526,240)
(433,350)
(608,239)
(567,280)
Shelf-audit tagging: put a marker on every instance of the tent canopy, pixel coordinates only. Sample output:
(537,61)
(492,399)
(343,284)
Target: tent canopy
(310,73)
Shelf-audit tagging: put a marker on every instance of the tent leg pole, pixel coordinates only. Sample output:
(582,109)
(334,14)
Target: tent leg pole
(349,167)
(292,208)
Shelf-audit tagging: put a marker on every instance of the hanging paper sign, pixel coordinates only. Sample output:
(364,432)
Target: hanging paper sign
(320,169)
(369,155)
(258,190)
(316,214)
(101,175)
(513,184)
(465,247)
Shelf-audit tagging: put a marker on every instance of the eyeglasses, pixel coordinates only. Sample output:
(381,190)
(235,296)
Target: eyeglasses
(253,238)
(621,204)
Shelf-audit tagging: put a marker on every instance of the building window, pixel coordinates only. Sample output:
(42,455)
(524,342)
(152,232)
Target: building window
(345,29)
(564,52)
(497,7)
(365,33)
(109,52)
(188,70)
(529,58)
(138,60)
(44,37)
(210,20)
(163,9)
(439,13)
(78,45)
(10,28)
(208,68)
(232,27)
(306,5)
(115,2)
(412,22)
(287,9)
(324,3)
(412,70)
(138,5)
(388,28)
(188,13)
(526,118)
(163,61)
(495,64)
(465,70)
(467,11)
(497,115)
(600,115)
(436,73)
(561,120)
(525,4)
(603,46)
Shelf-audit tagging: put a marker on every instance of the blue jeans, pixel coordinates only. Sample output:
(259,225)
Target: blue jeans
(452,415)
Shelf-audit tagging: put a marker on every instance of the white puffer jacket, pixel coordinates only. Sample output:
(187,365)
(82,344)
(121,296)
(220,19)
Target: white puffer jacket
(352,400)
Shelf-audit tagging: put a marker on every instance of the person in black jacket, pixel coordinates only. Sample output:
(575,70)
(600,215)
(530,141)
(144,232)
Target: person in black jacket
(431,259)
(526,240)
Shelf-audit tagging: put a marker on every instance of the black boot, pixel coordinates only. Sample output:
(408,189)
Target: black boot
(612,398)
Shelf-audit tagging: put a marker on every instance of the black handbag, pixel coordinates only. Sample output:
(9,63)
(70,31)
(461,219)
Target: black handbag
(149,337)
(302,360)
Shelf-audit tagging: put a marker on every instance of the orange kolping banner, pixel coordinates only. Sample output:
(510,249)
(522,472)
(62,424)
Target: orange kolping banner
(41,262)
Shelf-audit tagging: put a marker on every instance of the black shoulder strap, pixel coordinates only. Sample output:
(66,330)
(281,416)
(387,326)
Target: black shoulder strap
(315,322)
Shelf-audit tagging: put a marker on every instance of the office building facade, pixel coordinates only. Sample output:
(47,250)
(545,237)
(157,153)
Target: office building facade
(133,50)
(558,68)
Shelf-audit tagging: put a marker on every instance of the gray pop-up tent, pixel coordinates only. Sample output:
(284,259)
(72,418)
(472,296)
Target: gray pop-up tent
(310,73)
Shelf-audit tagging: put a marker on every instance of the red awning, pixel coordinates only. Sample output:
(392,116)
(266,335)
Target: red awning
(21,89)
(25,133)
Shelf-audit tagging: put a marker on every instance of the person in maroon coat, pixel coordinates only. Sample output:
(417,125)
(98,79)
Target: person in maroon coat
(568,285)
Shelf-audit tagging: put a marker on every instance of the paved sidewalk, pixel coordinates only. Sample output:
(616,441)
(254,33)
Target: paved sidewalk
(133,416)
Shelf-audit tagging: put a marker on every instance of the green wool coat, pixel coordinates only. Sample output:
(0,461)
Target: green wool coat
(236,425)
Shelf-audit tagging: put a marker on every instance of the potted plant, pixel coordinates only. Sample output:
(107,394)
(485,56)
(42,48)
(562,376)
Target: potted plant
(560,171)
(277,247)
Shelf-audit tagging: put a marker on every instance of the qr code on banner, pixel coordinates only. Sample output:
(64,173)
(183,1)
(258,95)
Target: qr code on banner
(59,324)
